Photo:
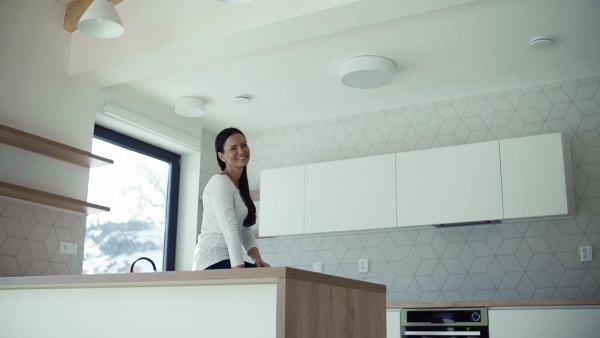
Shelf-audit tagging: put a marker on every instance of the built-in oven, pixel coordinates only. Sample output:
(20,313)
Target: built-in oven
(444,322)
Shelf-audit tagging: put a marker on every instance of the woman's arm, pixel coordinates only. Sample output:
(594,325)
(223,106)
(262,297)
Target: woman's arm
(221,197)
(255,254)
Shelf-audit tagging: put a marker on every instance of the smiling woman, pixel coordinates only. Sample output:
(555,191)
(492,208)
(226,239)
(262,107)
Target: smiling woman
(229,211)
(142,187)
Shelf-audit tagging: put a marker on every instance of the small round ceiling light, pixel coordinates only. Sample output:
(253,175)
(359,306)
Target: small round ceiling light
(541,42)
(241,99)
(366,72)
(190,106)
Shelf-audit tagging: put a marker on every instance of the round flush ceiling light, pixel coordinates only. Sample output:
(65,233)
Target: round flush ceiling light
(190,106)
(368,71)
(541,42)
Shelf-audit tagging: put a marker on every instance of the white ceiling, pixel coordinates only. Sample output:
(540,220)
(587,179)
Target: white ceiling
(286,54)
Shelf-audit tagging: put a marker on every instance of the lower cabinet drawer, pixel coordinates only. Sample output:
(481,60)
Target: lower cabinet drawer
(546,322)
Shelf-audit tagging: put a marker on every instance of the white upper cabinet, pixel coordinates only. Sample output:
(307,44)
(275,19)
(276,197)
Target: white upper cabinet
(282,201)
(521,178)
(536,177)
(449,185)
(352,194)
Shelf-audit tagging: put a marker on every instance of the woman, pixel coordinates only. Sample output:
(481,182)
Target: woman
(228,210)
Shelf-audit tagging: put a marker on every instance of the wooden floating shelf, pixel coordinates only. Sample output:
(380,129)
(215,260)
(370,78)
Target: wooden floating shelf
(48,199)
(20,139)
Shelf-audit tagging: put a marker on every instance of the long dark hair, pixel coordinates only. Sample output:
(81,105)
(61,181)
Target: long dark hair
(250,219)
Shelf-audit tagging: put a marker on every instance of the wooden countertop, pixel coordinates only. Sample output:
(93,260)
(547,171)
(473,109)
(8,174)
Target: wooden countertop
(181,278)
(496,303)
(252,276)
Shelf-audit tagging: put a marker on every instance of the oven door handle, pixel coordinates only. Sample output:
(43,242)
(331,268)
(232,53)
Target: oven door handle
(442,333)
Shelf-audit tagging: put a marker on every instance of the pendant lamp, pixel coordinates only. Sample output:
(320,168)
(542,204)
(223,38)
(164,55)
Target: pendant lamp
(101,20)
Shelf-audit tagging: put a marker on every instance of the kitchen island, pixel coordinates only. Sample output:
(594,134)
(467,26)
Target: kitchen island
(277,302)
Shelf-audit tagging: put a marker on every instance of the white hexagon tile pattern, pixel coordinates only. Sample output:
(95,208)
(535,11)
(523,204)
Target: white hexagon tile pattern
(531,260)
(30,237)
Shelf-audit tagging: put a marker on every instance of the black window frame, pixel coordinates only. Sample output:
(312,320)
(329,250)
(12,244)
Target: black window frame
(172,203)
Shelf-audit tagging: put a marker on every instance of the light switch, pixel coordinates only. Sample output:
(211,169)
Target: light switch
(317,267)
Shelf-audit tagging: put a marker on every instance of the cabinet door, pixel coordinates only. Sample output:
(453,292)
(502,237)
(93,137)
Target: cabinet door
(282,201)
(536,176)
(392,321)
(354,194)
(448,185)
(550,322)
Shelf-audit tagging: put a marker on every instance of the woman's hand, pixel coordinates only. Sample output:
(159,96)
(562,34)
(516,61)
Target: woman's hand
(261,264)
(255,254)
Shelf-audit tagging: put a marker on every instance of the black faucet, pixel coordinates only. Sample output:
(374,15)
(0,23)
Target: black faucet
(144,258)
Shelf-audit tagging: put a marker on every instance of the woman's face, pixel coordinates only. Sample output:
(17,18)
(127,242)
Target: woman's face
(236,153)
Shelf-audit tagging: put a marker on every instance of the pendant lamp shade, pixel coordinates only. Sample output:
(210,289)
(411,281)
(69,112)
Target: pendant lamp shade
(101,20)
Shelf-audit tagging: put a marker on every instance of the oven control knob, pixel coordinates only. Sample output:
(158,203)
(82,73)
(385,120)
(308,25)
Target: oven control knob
(475,316)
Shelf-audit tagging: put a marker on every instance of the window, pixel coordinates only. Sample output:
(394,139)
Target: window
(142,189)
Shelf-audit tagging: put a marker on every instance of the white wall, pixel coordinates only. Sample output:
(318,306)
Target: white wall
(38,97)
(188,210)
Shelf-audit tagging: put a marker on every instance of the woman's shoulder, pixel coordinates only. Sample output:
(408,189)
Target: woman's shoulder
(220,180)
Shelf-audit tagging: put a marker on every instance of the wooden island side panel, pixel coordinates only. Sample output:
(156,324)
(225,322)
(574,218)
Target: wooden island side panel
(312,309)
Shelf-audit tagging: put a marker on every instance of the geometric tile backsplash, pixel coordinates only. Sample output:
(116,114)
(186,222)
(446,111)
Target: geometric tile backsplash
(529,260)
(30,237)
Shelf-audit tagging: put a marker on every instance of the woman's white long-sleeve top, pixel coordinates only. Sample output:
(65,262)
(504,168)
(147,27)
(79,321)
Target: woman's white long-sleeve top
(222,234)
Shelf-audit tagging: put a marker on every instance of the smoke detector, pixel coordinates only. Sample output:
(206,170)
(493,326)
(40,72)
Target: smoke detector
(241,99)
(541,42)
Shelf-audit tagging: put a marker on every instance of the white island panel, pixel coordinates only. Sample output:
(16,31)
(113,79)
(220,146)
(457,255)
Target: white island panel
(247,311)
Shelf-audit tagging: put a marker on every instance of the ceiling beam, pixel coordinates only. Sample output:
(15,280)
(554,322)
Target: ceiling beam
(74,11)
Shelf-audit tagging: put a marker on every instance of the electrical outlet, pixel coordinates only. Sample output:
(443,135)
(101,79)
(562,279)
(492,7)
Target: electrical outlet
(317,267)
(68,248)
(585,253)
(363,265)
